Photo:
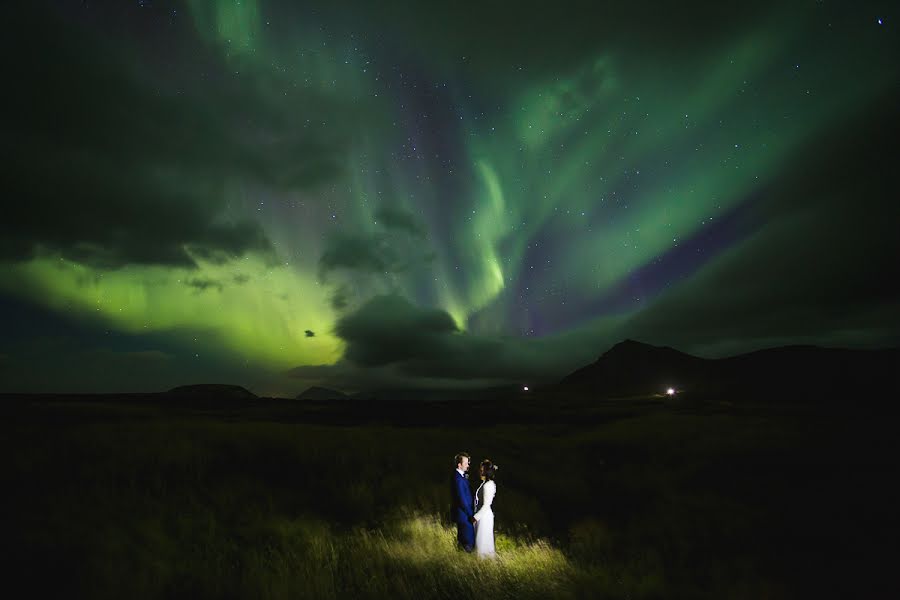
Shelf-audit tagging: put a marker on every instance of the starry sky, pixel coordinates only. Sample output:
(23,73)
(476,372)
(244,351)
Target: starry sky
(438,194)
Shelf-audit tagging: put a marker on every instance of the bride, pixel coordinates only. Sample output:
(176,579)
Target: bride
(484,515)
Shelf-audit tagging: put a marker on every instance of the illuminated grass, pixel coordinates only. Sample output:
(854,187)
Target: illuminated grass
(410,557)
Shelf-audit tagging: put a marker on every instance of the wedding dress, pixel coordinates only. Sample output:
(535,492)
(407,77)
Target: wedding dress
(484,519)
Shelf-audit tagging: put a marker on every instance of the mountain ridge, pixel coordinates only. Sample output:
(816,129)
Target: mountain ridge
(634,368)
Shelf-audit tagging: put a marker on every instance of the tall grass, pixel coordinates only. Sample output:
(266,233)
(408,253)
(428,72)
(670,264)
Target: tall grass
(664,505)
(410,557)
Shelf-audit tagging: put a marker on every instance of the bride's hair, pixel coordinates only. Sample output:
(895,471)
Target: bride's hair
(488,468)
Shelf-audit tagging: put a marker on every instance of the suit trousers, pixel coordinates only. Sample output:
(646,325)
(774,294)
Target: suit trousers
(465,535)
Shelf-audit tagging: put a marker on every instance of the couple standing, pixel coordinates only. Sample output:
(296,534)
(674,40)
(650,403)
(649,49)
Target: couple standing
(474,520)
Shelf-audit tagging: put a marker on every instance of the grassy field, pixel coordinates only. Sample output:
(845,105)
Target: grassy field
(648,500)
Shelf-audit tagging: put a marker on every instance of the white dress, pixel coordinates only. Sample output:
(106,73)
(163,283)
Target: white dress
(484,519)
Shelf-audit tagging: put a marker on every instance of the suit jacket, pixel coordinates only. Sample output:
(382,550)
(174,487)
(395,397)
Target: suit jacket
(461,505)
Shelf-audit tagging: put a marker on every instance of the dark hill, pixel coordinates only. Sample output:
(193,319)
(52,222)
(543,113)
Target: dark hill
(210,394)
(795,372)
(631,367)
(320,393)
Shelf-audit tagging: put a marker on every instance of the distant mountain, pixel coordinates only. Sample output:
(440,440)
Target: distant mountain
(212,392)
(633,368)
(320,393)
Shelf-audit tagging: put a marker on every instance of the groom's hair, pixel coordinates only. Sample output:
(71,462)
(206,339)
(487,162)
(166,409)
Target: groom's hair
(460,456)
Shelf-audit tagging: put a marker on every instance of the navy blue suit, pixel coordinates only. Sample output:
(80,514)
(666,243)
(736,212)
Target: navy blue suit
(461,511)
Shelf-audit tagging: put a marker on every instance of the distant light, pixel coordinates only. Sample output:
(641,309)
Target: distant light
(879,21)
(670,391)
(525,388)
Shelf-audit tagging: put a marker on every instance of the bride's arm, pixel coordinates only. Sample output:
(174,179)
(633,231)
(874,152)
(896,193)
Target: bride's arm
(490,488)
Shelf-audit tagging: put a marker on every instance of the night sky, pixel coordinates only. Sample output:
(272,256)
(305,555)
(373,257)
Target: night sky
(433,194)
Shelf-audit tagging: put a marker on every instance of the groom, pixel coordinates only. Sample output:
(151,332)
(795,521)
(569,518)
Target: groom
(461,509)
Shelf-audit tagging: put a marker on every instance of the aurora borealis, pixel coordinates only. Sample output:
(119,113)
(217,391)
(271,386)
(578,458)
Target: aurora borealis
(280,194)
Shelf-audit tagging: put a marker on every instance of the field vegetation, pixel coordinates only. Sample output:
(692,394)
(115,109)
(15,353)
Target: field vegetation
(652,499)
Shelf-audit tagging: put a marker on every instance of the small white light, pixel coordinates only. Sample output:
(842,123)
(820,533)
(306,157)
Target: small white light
(525,388)
(670,391)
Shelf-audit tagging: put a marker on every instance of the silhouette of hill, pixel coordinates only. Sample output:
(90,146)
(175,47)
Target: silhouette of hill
(633,367)
(210,394)
(321,393)
(801,372)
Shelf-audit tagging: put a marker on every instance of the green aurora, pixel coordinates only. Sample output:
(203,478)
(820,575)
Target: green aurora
(281,194)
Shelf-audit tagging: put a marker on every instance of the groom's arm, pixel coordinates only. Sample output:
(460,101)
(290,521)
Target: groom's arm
(464,495)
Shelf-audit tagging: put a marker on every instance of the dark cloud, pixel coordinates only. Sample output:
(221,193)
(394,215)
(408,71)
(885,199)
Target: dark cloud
(539,40)
(357,253)
(111,167)
(204,284)
(389,329)
(353,261)
(340,298)
(424,344)
(395,246)
(823,267)
(349,377)
(394,218)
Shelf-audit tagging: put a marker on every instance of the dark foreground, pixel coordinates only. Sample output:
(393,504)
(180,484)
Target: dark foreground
(641,498)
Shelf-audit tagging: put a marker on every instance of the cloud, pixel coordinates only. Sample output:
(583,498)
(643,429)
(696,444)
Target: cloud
(388,329)
(393,247)
(389,339)
(111,167)
(822,267)
(203,284)
(354,263)
(340,298)
(145,356)
(348,377)
(357,252)
(394,218)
